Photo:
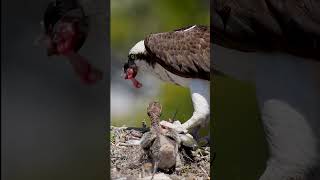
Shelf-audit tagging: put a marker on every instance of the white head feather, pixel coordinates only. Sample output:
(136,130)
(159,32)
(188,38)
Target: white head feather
(138,48)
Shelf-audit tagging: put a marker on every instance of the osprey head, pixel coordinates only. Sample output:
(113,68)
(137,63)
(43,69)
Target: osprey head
(130,69)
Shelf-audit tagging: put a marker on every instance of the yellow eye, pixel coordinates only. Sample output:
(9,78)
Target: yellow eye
(132,56)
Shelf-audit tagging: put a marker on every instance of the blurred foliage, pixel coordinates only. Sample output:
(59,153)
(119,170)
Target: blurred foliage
(240,145)
(176,102)
(132,20)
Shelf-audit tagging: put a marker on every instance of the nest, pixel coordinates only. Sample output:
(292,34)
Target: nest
(129,161)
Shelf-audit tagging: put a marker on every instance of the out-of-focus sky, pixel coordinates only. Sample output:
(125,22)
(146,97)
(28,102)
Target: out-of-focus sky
(131,21)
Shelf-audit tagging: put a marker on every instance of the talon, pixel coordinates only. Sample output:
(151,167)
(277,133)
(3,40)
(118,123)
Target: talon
(176,125)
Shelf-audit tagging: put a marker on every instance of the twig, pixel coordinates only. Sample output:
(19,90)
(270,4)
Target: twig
(204,171)
(200,153)
(184,154)
(125,144)
(141,129)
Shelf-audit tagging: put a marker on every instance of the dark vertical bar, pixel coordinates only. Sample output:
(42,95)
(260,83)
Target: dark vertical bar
(52,125)
(108,85)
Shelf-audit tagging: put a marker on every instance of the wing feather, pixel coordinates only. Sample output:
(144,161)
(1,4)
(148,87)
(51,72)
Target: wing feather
(184,52)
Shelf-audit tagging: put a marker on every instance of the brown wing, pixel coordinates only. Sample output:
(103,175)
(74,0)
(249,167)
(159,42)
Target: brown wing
(271,26)
(184,53)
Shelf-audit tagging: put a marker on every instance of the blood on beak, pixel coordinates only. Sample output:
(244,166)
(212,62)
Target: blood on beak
(129,73)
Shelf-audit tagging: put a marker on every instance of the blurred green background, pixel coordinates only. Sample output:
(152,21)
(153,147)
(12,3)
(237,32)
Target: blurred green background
(239,141)
(238,135)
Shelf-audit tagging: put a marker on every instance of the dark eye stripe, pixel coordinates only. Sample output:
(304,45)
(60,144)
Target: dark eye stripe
(137,56)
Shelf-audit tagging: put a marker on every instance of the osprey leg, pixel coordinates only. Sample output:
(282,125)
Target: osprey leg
(288,93)
(201,103)
(195,132)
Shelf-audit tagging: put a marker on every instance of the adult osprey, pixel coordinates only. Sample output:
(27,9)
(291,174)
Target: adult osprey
(283,38)
(181,57)
(65,31)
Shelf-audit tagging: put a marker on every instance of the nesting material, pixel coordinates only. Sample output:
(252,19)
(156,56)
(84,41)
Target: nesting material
(138,153)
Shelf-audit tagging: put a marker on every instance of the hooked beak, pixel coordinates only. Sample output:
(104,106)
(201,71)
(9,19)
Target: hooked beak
(129,70)
(124,75)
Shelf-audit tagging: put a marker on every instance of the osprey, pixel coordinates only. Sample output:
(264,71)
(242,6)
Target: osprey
(180,57)
(283,38)
(66,27)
